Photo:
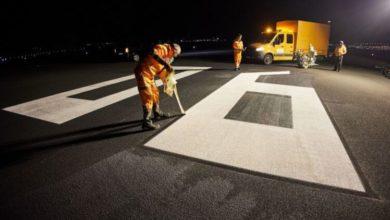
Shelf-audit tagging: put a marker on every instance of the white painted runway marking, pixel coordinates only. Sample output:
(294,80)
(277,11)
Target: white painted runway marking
(312,151)
(60,108)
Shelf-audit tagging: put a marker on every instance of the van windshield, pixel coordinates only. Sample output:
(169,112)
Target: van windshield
(266,38)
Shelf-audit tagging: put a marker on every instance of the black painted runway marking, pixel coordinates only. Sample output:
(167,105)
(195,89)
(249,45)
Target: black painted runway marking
(262,108)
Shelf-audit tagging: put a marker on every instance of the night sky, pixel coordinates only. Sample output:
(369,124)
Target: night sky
(32,23)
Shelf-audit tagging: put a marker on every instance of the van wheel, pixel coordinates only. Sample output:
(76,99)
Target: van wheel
(268,59)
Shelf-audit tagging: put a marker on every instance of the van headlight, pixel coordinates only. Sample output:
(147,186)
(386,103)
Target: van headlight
(260,49)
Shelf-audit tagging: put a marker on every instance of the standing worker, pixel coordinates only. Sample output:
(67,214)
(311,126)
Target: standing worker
(238,47)
(339,53)
(157,62)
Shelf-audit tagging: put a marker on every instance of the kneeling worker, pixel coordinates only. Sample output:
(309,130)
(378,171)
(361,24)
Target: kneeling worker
(157,63)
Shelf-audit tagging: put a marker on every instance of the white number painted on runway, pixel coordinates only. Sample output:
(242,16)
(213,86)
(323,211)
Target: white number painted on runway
(311,151)
(60,108)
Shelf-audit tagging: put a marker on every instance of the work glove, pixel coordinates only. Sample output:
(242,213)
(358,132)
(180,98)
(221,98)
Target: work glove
(170,84)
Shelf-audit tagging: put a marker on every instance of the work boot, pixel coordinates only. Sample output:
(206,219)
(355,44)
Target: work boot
(158,114)
(147,123)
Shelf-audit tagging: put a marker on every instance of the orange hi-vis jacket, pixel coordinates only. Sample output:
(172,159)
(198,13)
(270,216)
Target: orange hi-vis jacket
(238,46)
(340,51)
(148,69)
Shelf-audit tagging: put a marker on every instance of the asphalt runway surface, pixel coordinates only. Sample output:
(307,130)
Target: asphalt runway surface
(288,144)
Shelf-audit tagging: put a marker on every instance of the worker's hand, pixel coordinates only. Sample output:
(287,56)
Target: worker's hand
(170,61)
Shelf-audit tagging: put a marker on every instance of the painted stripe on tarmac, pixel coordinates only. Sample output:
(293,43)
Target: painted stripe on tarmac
(60,108)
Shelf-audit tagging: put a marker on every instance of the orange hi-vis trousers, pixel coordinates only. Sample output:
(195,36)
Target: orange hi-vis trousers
(148,92)
(237,58)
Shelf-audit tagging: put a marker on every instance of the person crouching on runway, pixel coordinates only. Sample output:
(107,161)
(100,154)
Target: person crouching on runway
(238,47)
(158,62)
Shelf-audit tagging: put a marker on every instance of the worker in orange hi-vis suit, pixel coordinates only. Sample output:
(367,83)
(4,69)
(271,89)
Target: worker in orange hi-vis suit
(238,47)
(339,53)
(158,62)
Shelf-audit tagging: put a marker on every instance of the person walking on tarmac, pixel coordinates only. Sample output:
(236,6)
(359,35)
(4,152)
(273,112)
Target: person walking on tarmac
(339,53)
(156,63)
(238,47)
